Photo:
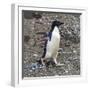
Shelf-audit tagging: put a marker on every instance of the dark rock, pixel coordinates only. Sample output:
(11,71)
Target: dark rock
(36,15)
(26,38)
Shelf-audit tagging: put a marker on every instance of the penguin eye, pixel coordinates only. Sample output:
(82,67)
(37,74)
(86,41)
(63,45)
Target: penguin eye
(58,23)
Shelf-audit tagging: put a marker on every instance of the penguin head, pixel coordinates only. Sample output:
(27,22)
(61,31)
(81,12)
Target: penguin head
(56,23)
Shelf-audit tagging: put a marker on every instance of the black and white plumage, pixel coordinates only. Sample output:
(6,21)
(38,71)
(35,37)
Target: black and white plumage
(52,42)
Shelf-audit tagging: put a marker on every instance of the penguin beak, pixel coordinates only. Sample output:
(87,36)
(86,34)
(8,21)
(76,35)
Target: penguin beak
(61,23)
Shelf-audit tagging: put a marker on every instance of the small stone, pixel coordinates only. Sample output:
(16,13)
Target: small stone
(35,55)
(74,51)
(30,70)
(66,71)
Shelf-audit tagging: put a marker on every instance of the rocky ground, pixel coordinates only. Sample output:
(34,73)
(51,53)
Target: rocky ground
(69,54)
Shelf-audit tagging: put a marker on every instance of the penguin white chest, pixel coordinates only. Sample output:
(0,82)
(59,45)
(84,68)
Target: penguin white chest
(53,44)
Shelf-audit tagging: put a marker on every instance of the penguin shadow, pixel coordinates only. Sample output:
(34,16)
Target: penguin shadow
(48,64)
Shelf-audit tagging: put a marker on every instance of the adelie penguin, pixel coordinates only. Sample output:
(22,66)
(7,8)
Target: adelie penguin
(52,43)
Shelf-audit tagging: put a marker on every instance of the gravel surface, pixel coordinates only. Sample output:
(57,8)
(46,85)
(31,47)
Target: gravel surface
(69,54)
